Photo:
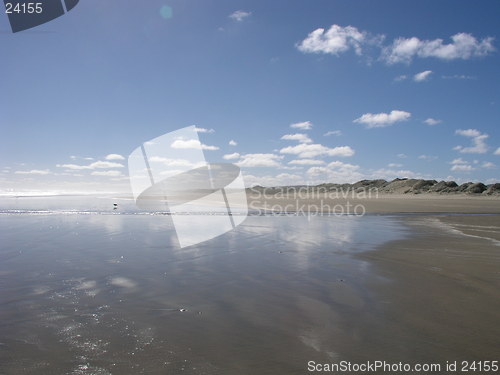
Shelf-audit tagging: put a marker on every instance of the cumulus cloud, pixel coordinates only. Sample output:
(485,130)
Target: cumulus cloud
(259,160)
(463,46)
(339,39)
(488,165)
(381,120)
(422,76)
(478,141)
(333,132)
(191,143)
(300,137)
(460,165)
(402,156)
(337,171)
(232,156)
(95,165)
(431,122)
(336,40)
(233,143)
(114,157)
(240,15)
(305,125)
(462,168)
(306,162)
(107,173)
(34,172)
(497,152)
(304,150)
(394,165)
(458,161)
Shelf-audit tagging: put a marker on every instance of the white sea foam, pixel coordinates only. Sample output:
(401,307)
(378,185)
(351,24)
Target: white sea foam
(454,228)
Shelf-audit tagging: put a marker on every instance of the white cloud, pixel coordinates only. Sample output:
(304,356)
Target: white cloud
(105,164)
(203,130)
(114,157)
(312,150)
(74,157)
(400,78)
(95,165)
(301,137)
(381,120)
(306,125)
(239,15)
(488,165)
(402,156)
(497,152)
(422,76)
(462,168)
(458,161)
(337,39)
(281,179)
(468,132)
(292,168)
(460,165)
(463,46)
(306,162)
(233,143)
(431,122)
(259,160)
(394,165)
(333,132)
(107,173)
(427,157)
(192,143)
(234,155)
(478,141)
(337,172)
(34,171)
(173,162)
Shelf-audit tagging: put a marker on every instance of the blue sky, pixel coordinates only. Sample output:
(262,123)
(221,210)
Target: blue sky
(406,88)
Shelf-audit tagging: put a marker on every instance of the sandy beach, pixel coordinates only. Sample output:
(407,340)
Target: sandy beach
(110,292)
(441,285)
(377,203)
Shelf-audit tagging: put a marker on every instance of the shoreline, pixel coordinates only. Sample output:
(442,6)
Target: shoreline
(387,203)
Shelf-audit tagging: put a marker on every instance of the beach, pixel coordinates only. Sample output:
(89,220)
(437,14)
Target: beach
(373,202)
(102,291)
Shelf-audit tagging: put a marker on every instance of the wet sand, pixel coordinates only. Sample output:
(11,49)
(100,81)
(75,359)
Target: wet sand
(114,294)
(440,290)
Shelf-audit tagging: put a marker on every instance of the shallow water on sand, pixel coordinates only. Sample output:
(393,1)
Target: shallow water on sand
(89,289)
(114,294)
